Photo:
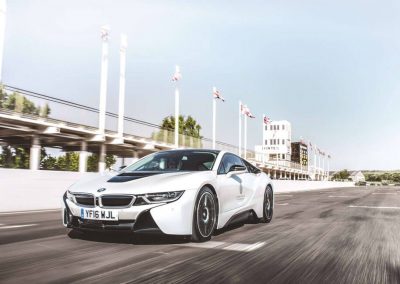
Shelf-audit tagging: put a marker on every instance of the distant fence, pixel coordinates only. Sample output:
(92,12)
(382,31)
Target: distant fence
(44,189)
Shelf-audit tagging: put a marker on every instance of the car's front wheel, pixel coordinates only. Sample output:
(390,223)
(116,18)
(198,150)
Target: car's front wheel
(268,208)
(204,216)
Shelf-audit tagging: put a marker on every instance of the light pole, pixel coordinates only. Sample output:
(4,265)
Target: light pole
(103,79)
(177,76)
(3,10)
(122,69)
(240,129)
(214,116)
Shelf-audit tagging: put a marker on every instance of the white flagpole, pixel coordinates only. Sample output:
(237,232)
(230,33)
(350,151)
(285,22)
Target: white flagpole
(245,137)
(328,167)
(3,10)
(103,79)
(122,68)
(263,141)
(315,162)
(177,111)
(240,128)
(214,117)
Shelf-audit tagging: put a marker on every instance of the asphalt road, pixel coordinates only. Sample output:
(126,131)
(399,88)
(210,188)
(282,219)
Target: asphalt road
(327,236)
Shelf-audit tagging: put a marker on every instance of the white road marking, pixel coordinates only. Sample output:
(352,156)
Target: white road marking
(374,207)
(283,195)
(391,193)
(17,226)
(344,196)
(29,212)
(244,247)
(210,244)
(225,246)
(282,204)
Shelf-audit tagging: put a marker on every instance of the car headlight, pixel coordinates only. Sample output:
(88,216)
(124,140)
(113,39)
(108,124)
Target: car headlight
(71,197)
(162,197)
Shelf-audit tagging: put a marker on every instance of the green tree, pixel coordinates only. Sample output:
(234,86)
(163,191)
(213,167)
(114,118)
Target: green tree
(68,162)
(19,103)
(93,162)
(342,175)
(187,126)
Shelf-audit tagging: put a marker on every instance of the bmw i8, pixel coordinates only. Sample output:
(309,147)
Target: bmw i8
(176,192)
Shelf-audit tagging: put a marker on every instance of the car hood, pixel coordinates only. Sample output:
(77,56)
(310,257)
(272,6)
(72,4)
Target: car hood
(160,182)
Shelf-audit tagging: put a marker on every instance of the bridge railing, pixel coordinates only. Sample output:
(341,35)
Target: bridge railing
(79,116)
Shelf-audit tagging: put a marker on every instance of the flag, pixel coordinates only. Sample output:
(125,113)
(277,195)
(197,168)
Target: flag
(217,95)
(267,120)
(104,33)
(246,111)
(177,75)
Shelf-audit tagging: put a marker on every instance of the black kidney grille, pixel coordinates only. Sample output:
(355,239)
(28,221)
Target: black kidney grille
(116,200)
(85,199)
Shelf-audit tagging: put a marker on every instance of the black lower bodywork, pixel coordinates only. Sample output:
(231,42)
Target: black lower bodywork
(144,223)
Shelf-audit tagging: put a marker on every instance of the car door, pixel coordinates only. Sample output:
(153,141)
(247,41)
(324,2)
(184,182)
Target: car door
(231,190)
(249,182)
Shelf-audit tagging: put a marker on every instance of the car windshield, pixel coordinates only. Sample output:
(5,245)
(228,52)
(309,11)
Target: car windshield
(172,161)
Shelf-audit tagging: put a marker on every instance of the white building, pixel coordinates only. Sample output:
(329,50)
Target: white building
(357,176)
(277,139)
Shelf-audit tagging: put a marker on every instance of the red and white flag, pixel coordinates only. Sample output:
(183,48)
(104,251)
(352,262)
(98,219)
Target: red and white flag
(246,111)
(177,75)
(267,120)
(217,95)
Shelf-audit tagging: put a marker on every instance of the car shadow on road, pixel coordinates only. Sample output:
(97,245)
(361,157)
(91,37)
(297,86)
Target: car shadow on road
(128,238)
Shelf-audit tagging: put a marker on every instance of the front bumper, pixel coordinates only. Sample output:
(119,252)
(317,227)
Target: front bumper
(173,218)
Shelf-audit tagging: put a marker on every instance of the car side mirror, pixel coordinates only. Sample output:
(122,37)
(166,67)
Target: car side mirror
(236,169)
(121,168)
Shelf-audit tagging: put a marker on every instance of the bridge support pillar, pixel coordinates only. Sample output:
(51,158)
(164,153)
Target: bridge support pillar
(83,157)
(34,157)
(102,158)
(135,156)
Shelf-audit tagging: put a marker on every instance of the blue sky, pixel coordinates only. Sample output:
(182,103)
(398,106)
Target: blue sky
(329,67)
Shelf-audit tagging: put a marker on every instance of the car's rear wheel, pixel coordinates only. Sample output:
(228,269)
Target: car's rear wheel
(204,216)
(268,209)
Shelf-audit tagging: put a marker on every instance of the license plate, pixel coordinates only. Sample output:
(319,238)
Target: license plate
(99,214)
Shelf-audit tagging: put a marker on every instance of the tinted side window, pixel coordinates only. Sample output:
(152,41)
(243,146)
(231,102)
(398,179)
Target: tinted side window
(221,169)
(229,160)
(251,168)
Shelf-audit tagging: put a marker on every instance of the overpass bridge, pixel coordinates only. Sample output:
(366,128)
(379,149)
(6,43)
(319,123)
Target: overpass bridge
(65,130)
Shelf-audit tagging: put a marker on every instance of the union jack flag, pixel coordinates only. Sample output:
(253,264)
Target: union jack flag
(177,75)
(246,111)
(267,120)
(217,95)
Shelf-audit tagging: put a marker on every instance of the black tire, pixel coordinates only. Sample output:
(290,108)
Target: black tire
(268,208)
(204,216)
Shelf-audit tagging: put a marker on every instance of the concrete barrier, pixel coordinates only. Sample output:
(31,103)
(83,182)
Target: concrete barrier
(22,190)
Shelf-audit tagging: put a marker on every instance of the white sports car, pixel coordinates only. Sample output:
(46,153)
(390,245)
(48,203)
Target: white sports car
(177,192)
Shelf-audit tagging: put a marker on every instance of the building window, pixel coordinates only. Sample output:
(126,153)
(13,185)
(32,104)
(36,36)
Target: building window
(277,127)
(266,127)
(283,127)
(266,141)
(270,127)
(283,141)
(283,156)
